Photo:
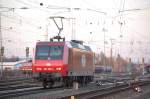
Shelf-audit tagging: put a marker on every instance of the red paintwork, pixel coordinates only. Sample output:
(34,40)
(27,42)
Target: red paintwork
(51,66)
(46,66)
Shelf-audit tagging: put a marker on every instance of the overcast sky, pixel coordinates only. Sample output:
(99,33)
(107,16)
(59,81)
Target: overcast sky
(125,21)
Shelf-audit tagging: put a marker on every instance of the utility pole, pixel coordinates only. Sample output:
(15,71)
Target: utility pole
(129,67)
(111,53)
(143,71)
(27,53)
(1,46)
(104,30)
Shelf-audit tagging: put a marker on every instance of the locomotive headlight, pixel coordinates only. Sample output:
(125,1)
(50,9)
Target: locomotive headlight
(58,68)
(38,68)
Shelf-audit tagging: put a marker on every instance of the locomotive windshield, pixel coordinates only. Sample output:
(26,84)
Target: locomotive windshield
(46,52)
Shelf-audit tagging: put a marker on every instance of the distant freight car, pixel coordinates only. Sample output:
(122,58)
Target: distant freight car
(147,69)
(63,62)
(103,70)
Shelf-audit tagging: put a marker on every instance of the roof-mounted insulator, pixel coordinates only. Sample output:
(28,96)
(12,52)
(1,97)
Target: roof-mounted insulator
(58,38)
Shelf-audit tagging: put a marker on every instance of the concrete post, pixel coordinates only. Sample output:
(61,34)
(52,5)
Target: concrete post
(75,85)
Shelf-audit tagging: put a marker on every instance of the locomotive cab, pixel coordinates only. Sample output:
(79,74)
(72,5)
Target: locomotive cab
(49,58)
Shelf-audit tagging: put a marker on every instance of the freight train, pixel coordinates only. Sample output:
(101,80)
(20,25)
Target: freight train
(62,61)
(103,69)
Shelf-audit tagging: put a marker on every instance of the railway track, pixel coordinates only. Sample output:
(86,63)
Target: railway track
(11,88)
(96,94)
(43,93)
(58,92)
(25,92)
(12,84)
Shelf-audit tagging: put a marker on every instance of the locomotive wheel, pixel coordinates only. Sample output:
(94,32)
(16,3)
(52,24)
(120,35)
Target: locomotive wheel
(67,82)
(84,81)
(50,84)
(44,85)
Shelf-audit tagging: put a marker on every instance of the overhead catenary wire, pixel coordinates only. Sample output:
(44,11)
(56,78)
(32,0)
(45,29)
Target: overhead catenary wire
(35,4)
(21,20)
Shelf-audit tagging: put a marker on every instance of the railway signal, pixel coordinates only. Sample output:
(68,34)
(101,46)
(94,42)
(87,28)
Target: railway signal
(2,51)
(27,51)
(1,59)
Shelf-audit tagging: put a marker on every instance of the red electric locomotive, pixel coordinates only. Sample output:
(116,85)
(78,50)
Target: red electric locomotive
(63,62)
